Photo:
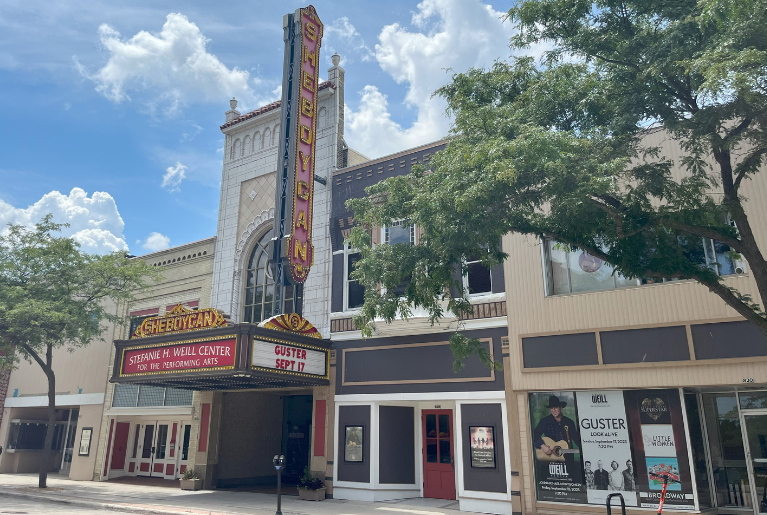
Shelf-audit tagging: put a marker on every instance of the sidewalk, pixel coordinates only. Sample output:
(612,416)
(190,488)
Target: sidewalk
(170,501)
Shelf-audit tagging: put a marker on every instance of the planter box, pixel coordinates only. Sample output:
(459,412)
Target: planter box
(311,495)
(191,484)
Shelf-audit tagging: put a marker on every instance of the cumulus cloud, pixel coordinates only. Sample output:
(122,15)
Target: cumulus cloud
(342,37)
(167,70)
(156,241)
(173,177)
(449,34)
(94,221)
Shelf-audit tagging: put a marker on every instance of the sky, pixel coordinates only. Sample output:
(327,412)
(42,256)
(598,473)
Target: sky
(110,111)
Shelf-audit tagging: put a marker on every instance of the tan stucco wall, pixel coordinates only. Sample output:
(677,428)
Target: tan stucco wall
(530,312)
(186,279)
(82,466)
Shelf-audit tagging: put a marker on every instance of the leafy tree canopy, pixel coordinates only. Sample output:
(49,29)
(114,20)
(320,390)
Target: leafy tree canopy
(555,149)
(54,295)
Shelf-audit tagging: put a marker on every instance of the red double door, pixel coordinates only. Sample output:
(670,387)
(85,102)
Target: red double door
(438,454)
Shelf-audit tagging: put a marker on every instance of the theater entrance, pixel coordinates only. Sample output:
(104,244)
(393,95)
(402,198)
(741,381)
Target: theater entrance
(255,426)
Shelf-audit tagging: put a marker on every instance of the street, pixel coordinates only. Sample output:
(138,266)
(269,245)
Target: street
(11,505)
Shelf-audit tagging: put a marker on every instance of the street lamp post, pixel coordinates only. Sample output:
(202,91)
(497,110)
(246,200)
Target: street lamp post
(279,464)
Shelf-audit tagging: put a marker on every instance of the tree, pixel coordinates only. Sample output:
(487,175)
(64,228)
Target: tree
(53,295)
(555,149)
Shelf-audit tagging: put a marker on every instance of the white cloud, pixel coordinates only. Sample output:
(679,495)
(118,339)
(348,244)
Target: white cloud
(94,222)
(342,37)
(156,241)
(173,177)
(167,70)
(451,34)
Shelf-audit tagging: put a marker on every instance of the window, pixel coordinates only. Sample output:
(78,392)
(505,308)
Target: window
(574,272)
(31,434)
(131,396)
(354,291)
(400,232)
(478,278)
(259,285)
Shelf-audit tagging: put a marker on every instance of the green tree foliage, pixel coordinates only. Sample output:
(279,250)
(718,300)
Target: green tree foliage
(555,149)
(54,295)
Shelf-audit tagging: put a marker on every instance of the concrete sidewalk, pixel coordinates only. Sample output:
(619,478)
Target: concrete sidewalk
(170,501)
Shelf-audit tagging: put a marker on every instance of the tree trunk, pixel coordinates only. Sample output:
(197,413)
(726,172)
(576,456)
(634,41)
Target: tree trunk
(46,459)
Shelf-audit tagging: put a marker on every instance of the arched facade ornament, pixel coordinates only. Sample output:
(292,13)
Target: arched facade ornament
(252,231)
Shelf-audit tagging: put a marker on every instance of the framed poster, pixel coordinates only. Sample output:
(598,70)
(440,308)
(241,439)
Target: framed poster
(85,441)
(482,447)
(354,440)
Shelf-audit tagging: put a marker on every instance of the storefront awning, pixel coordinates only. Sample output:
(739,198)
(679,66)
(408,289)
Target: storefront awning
(229,357)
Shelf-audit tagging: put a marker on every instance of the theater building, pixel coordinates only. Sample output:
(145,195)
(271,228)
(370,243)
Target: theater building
(643,377)
(405,425)
(253,386)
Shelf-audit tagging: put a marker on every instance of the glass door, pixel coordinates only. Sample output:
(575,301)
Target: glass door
(756,435)
(163,462)
(146,449)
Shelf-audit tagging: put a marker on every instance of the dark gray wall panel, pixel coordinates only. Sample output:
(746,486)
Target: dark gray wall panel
(337,297)
(428,368)
(409,363)
(728,340)
(645,345)
(484,479)
(561,350)
(354,471)
(396,455)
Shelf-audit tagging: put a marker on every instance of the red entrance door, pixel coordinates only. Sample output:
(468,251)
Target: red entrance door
(121,446)
(438,462)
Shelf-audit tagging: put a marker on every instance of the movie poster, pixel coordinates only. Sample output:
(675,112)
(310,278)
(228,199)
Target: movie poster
(607,463)
(557,447)
(482,447)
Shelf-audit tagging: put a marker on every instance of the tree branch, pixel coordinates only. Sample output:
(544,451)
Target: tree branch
(744,166)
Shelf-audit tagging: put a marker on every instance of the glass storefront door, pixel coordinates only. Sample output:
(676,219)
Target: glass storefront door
(756,434)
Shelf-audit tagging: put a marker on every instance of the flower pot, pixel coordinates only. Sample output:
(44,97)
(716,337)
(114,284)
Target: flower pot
(191,484)
(311,495)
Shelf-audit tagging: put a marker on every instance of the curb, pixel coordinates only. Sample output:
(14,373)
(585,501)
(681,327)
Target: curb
(99,505)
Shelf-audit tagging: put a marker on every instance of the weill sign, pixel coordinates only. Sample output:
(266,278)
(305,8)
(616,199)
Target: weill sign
(298,141)
(185,356)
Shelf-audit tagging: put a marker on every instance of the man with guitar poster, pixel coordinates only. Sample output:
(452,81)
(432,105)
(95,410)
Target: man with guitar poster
(556,440)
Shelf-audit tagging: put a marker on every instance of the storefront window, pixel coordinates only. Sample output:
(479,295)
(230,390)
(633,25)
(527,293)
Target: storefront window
(753,400)
(589,444)
(31,435)
(728,458)
(698,441)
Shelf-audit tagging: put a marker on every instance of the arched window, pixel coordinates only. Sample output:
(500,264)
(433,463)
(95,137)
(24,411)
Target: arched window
(259,284)
(266,141)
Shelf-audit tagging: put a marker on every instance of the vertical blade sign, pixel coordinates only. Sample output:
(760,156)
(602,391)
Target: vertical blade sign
(300,248)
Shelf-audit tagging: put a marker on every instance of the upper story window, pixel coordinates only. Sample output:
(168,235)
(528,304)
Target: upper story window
(574,272)
(259,285)
(354,292)
(478,278)
(399,232)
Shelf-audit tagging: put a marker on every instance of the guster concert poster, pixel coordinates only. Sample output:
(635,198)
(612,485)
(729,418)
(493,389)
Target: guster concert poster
(607,463)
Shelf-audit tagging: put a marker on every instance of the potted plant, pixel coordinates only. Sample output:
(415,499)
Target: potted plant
(190,480)
(310,488)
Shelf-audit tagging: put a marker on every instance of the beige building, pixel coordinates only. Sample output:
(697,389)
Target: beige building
(670,361)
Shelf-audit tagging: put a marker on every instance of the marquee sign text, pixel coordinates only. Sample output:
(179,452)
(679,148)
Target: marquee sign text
(179,319)
(289,358)
(190,356)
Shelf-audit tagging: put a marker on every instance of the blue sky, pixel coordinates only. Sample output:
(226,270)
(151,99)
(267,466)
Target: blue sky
(109,111)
